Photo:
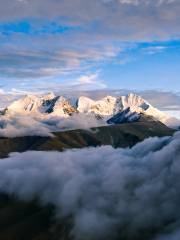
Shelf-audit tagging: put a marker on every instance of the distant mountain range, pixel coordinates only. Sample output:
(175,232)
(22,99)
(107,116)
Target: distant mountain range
(111,110)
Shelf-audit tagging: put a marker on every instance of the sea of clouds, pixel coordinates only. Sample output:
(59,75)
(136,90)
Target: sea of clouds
(110,193)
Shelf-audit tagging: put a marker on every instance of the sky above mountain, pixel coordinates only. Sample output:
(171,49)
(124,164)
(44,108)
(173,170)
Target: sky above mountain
(97,44)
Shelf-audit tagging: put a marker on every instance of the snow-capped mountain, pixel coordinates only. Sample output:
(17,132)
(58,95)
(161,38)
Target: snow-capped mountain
(47,104)
(110,109)
(110,106)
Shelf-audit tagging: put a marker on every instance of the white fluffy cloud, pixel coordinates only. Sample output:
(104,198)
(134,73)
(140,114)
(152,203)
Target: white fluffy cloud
(108,192)
(17,126)
(23,126)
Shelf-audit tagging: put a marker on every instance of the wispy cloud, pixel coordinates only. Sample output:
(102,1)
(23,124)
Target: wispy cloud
(90,81)
(54,62)
(155,49)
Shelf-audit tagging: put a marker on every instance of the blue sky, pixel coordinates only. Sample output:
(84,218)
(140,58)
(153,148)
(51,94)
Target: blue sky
(148,66)
(45,45)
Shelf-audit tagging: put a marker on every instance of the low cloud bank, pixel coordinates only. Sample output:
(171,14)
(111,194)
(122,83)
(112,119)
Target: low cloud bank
(124,193)
(23,126)
(17,126)
(26,125)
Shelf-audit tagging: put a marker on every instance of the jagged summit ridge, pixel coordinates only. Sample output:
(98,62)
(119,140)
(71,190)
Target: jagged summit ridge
(112,105)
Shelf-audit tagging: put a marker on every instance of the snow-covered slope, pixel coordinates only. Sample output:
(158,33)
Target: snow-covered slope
(124,116)
(27,104)
(104,107)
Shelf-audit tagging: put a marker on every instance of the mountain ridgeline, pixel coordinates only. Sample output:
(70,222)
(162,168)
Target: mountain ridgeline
(105,108)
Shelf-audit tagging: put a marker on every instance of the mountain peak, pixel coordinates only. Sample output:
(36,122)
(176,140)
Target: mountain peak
(49,96)
(28,103)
